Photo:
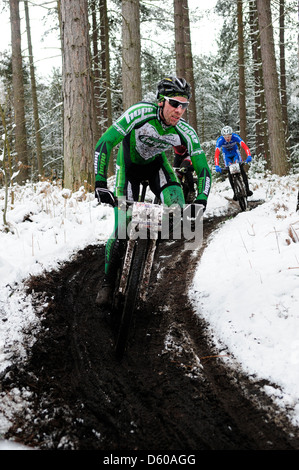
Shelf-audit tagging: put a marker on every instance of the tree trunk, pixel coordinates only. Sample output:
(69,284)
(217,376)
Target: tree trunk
(38,140)
(183,49)
(131,62)
(277,142)
(105,65)
(18,94)
(78,96)
(192,115)
(7,169)
(261,130)
(298,37)
(283,82)
(179,38)
(241,64)
(96,69)
(105,62)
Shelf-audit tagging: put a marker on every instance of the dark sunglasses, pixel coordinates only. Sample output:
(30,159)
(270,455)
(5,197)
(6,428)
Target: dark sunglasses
(177,103)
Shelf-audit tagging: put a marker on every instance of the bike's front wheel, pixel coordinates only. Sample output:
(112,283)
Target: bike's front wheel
(240,192)
(131,295)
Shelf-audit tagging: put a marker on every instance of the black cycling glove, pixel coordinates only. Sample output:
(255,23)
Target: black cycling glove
(103,194)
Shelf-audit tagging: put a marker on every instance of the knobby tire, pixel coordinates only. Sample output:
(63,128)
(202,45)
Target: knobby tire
(131,295)
(241,193)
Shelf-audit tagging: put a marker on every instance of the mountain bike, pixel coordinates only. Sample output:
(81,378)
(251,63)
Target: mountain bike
(237,182)
(134,269)
(136,257)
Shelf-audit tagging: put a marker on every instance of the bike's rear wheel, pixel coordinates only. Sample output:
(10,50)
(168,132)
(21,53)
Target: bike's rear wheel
(131,295)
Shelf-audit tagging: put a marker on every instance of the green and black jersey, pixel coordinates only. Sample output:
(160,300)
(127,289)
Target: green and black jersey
(144,138)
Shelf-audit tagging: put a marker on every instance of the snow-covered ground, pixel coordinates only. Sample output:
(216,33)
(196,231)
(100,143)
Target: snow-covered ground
(247,287)
(246,284)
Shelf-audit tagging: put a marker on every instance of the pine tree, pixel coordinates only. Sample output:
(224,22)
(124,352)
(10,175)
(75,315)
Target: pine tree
(277,144)
(78,95)
(18,94)
(131,52)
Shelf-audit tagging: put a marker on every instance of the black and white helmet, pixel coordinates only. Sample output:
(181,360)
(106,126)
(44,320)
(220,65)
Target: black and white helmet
(173,86)
(226,130)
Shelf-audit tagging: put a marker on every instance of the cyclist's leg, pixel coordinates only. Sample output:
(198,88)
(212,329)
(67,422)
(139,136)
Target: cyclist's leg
(112,248)
(127,187)
(245,179)
(243,173)
(237,157)
(189,176)
(228,161)
(177,160)
(120,183)
(164,184)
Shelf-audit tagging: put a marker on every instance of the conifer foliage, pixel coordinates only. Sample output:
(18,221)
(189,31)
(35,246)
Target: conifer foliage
(114,52)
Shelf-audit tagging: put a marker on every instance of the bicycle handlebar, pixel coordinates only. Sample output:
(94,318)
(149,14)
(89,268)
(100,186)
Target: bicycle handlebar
(184,210)
(226,168)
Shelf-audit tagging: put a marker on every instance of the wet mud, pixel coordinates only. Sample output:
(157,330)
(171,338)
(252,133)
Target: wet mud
(171,392)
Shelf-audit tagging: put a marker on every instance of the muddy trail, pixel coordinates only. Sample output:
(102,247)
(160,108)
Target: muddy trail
(171,392)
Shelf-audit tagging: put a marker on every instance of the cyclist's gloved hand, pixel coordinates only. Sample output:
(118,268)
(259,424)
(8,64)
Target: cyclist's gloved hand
(248,159)
(218,169)
(103,194)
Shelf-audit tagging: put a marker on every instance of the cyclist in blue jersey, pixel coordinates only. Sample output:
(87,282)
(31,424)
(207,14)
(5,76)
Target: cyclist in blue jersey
(228,142)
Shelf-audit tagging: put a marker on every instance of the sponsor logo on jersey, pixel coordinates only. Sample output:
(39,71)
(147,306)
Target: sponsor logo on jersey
(153,141)
(150,143)
(102,164)
(96,158)
(139,112)
(189,131)
(207,186)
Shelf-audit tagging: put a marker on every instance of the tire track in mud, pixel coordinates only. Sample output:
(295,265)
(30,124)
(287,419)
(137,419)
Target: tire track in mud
(162,396)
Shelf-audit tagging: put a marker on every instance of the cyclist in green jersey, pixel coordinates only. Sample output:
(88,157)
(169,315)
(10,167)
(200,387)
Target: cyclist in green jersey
(145,131)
